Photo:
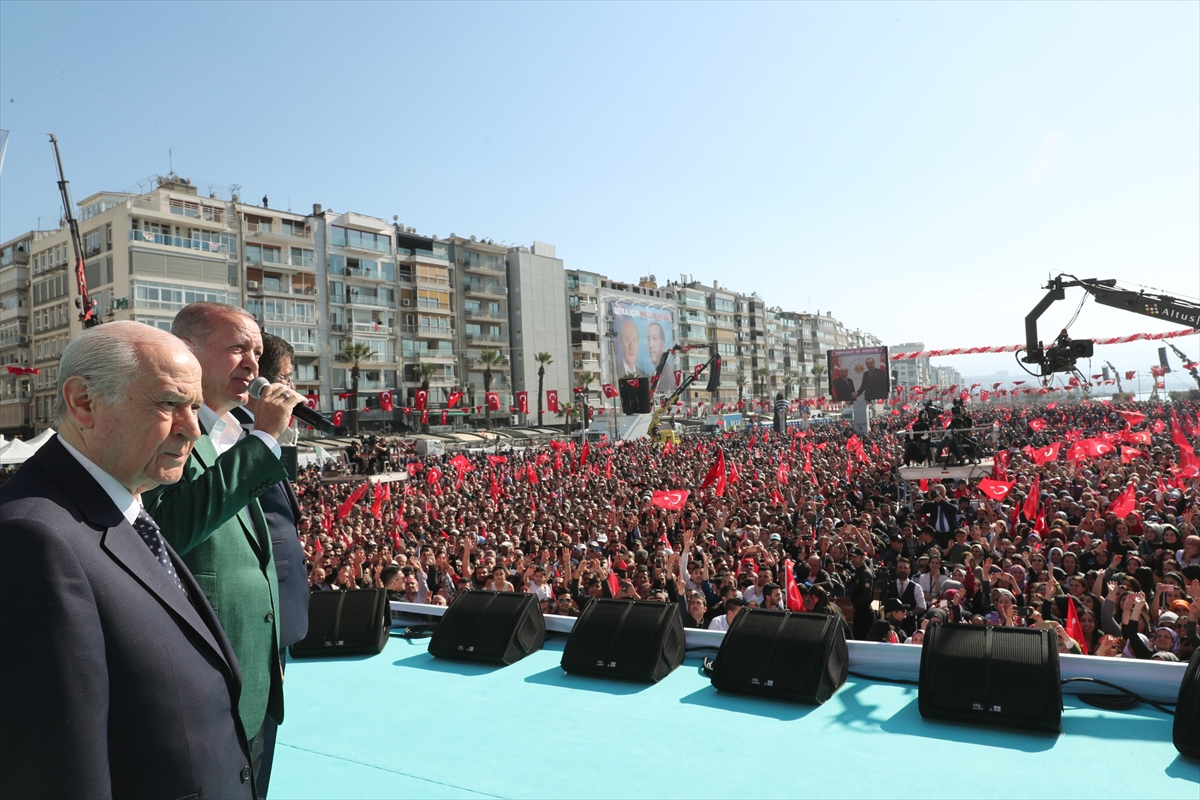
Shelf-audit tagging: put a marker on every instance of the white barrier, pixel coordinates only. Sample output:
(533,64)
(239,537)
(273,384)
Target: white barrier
(1154,680)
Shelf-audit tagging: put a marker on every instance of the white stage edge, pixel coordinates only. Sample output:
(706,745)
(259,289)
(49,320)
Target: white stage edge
(1154,680)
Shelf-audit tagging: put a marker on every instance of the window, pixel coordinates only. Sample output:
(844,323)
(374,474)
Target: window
(350,237)
(172,297)
(431,274)
(305,373)
(185,208)
(92,242)
(257,253)
(427,298)
(301,257)
(295,227)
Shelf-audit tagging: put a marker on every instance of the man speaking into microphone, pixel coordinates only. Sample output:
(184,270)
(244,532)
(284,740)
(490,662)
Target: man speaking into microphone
(212,516)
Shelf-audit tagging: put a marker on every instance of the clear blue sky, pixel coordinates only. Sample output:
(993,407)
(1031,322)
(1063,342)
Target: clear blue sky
(918,169)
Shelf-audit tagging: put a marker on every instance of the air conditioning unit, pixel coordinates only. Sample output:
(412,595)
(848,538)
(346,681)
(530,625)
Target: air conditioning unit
(578,364)
(251,284)
(406,302)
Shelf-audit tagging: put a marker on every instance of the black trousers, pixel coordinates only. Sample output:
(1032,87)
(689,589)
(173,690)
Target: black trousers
(262,749)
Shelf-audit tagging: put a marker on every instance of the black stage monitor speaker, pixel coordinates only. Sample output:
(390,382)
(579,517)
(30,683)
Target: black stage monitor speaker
(635,395)
(630,639)
(714,376)
(494,627)
(992,675)
(801,657)
(353,623)
(1186,730)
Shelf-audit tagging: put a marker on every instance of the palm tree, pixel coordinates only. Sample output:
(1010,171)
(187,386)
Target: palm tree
(354,354)
(425,372)
(567,410)
(586,379)
(740,380)
(761,373)
(818,371)
(489,359)
(789,383)
(544,360)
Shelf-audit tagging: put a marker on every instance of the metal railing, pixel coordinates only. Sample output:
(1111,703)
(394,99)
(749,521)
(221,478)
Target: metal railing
(178,241)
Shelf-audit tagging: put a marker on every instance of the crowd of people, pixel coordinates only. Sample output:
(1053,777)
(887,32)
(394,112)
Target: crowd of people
(819,519)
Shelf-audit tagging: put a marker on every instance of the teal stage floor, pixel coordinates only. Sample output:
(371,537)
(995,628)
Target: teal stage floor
(405,725)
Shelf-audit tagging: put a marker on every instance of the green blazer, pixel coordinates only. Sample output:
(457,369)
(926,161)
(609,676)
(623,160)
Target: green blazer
(212,519)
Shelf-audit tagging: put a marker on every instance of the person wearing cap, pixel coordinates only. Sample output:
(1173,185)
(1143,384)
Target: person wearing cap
(895,613)
(862,593)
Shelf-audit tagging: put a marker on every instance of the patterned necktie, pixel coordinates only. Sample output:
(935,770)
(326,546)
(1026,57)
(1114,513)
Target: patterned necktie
(147,528)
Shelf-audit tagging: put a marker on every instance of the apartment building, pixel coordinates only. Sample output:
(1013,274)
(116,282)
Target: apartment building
(483,321)
(546,316)
(910,371)
(16,336)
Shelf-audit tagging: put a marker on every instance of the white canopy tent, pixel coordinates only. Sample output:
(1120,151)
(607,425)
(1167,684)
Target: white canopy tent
(17,451)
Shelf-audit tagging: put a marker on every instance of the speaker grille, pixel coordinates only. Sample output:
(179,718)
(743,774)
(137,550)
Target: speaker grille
(490,626)
(801,657)
(997,676)
(626,639)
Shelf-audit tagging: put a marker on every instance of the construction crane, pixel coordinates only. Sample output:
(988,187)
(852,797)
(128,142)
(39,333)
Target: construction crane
(1116,375)
(1188,364)
(87,307)
(657,433)
(1061,355)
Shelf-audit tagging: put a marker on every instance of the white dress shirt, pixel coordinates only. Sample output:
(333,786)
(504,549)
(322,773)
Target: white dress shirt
(225,431)
(129,505)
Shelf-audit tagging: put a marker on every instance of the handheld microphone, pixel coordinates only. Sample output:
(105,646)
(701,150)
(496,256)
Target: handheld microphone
(301,412)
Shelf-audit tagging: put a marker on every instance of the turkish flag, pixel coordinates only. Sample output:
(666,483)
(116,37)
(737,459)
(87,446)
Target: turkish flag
(1158,371)
(422,399)
(997,490)
(1124,505)
(608,469)
(425,416)
(776,498)
(337,418)
(1032,499)
(1041,455)
(377,502)
(445,417)
(1037,424)
(311,400)
(792,592)
(355,496)
(385,400)
(433,475)
(673,500)
(552,401)
(453,399)
(497,460)
(493,401)
(1130,374)
(609,390)
(415,467)
(716,475)
(733,474)
(697,370)
(523,402)
(1128,454)
(678,377)
(1074,629)
(583,453)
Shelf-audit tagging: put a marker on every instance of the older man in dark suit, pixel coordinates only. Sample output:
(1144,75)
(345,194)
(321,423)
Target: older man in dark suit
(118,680)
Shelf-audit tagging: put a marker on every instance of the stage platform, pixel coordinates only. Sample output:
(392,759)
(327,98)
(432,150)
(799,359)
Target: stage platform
(937,472)
(404,724)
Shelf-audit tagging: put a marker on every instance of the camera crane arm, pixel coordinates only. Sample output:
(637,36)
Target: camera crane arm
(1105,292)
(87,312)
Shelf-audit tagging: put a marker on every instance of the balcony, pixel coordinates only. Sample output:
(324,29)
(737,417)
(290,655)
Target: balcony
(482,313)
(434,331)
(475,287)
(149,237)
(360,327)
(266,229)
(361,244)
(486,338)
(356,299)
(474,265)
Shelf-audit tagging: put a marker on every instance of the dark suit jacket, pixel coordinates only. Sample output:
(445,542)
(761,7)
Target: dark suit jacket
(212,518)
(281,509)
(114,683)
(875,384)
(842,389)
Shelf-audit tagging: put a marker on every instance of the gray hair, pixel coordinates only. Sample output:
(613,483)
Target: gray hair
(106,358)
(194,322)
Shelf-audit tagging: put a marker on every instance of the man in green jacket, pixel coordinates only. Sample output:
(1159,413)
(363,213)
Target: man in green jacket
(212,517)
